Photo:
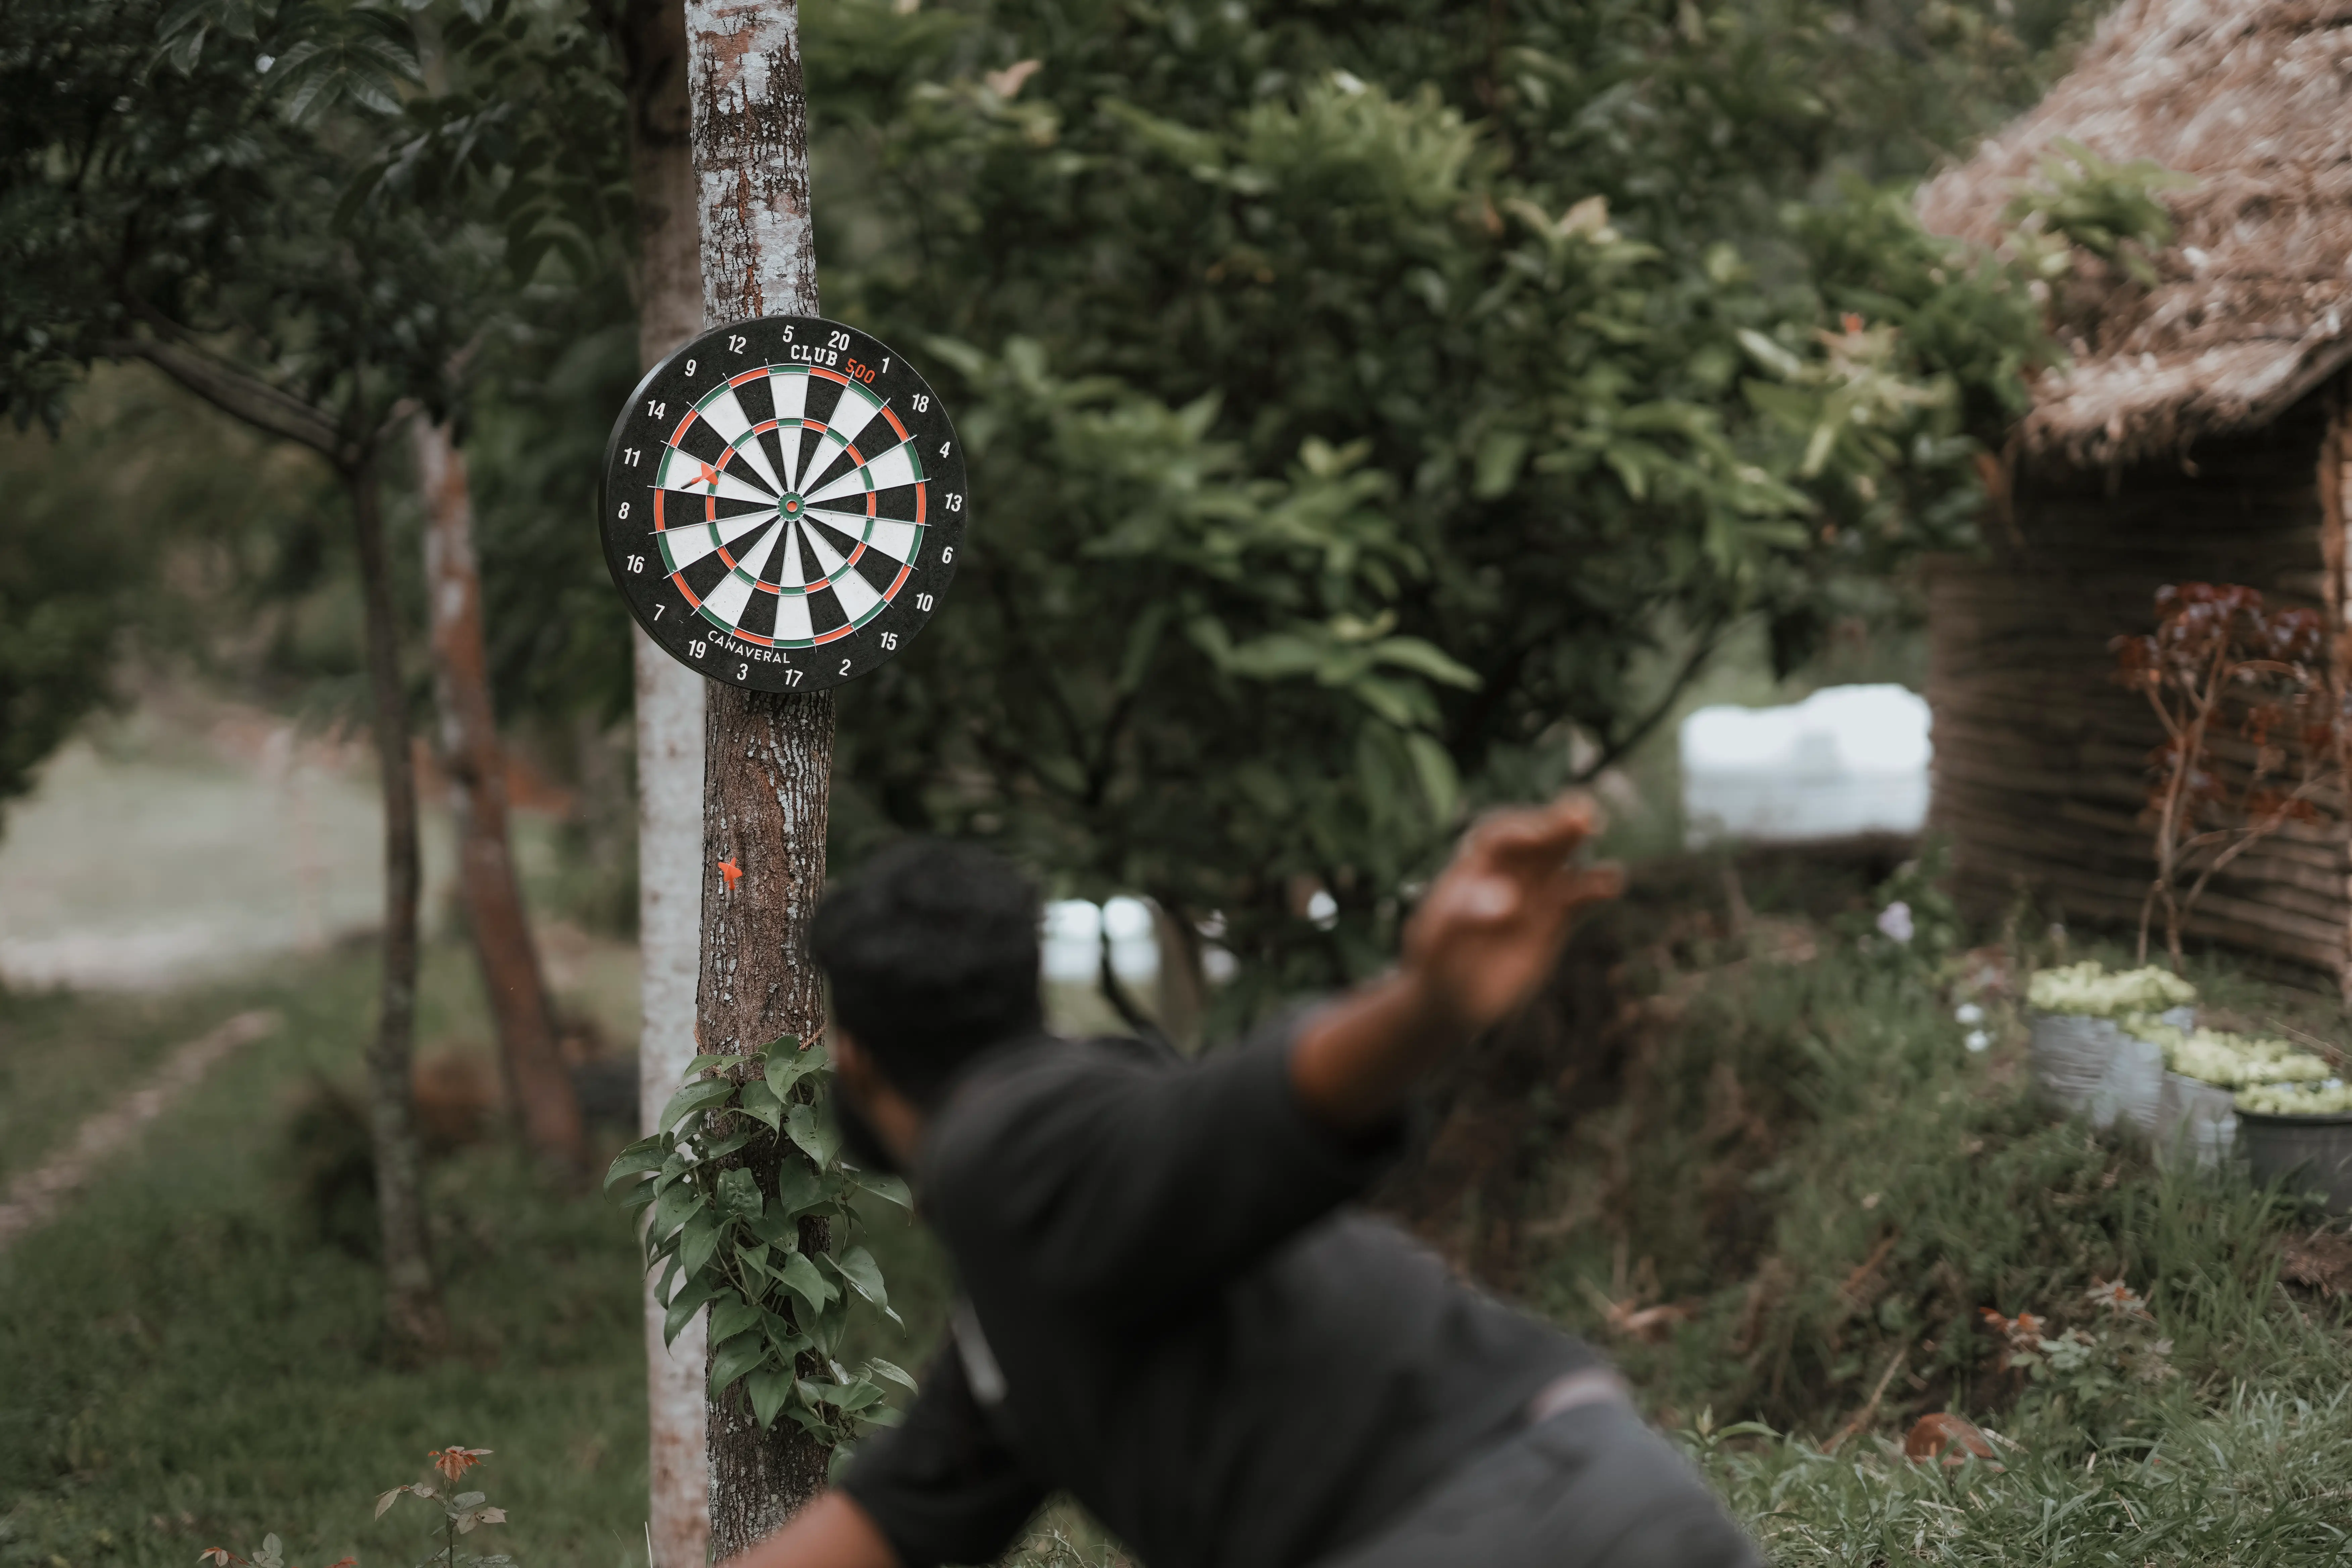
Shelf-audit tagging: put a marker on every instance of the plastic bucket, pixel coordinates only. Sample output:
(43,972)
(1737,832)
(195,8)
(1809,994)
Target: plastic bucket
(2313,1153)
(2194,1121)
(2132,1088)
(2071,1053)
(2089,1066)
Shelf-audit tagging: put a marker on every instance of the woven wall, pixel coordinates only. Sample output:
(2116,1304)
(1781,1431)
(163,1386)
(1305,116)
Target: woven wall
(2040,765)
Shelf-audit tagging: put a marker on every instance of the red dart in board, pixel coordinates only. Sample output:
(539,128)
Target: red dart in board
(782,503)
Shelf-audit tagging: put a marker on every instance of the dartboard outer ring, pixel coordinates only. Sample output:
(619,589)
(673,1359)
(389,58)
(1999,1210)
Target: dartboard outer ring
(782,504)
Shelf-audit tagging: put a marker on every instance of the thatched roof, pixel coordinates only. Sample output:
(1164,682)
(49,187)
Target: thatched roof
(2253,306)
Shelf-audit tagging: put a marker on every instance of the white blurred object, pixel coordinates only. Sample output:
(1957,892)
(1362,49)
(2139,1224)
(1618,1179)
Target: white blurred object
(1847,759)
(1074,937)
(1134,944)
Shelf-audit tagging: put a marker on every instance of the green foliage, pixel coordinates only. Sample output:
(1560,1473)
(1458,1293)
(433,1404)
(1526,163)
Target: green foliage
(271,1553)
(462,1512)
(2112,210)
(521,127)
(1913,927)
(750,1204)
(187,1363)
(61,619)
(1809,1168)
(1356,399)
(2255,1482)
(188,200)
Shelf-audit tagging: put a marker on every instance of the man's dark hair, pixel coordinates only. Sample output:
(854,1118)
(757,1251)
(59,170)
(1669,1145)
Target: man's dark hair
(931,951)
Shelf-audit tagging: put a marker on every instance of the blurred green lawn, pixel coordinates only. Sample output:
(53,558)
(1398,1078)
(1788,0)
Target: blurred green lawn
(186,1363)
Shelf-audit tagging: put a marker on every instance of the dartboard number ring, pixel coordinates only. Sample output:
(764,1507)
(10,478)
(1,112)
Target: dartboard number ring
(782,503)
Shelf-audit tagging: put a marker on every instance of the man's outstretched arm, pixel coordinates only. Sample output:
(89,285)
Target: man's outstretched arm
(831,1533)
(1483,939)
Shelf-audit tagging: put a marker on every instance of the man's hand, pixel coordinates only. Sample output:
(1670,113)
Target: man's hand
(1492,926)
(1487,933)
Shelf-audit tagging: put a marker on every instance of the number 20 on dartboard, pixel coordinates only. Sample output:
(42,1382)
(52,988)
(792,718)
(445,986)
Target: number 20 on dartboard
(782,502)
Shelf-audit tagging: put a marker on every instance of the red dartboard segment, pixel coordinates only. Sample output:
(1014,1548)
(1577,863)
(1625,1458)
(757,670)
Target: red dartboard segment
(781,405)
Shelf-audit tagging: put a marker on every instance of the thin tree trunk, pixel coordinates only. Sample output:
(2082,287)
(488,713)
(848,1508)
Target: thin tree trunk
(768,757)
(668,284)
(539,1087)
(412,1316)
(669,940)
(768,765)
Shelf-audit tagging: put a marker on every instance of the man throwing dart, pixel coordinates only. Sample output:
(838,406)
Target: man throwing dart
(1167,1305)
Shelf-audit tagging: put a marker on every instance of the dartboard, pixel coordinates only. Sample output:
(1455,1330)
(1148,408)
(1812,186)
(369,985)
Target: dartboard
(782,503)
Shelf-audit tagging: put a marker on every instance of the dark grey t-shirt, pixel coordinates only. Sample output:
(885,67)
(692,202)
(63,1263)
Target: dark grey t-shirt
(1167,1312)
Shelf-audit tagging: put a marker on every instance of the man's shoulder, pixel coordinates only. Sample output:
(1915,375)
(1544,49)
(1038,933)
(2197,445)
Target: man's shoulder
(1015,1094)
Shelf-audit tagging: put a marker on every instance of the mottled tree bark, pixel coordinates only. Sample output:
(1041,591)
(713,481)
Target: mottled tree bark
(768,765)
(768,757)
(413,1315)
(667,283)
(539,1087)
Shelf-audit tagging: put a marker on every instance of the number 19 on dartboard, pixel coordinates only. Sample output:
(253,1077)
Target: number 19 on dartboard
(782,503)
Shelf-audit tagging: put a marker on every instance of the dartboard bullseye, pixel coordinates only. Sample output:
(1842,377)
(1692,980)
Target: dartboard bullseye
(782,503)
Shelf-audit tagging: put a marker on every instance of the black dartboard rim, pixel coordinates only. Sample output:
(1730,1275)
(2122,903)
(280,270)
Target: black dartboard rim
(775,564)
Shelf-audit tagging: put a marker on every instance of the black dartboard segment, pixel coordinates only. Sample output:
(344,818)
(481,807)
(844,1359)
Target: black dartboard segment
(782,503)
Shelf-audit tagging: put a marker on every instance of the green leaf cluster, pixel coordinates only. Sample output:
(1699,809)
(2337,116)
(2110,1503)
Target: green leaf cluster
(749,1203)
(2115,211)
(1360,400)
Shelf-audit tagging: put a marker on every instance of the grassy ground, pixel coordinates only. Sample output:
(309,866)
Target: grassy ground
(1762,1169)
(1777,1185)
(187,1363)
(192,1356)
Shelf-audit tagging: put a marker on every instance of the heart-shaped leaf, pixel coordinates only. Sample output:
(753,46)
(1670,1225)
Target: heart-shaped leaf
(769,1388)
(784,1071)
(815,1135)
(682,1310)
(700,1095)
(800,1277)
(865,1276)
(731,1361)
(890,1188)
(798,1188)
(739,1196)
(731,1315)
(679,1202)
(646,1154)
(696,1242)
(763,1102)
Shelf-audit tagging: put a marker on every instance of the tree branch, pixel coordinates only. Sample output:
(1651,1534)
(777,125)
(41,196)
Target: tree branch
(1640,732)
(241,396)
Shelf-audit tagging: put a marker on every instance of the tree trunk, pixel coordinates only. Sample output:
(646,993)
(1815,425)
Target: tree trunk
(539,1087)
(412,1316)
(669,941)
(768,765)
(669,718)
(768,757)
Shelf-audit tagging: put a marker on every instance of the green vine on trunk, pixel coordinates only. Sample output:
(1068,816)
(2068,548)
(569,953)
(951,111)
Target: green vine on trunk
(731,1204)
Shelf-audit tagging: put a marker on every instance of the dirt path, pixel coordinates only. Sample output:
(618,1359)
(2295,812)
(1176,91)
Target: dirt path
(34,1196)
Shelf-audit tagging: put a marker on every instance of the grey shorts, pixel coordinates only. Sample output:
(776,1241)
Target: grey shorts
(1592,1487)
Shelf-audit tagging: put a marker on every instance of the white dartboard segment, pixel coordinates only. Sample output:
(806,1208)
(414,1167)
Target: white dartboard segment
(891,468)
(782,503)
(727,421)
